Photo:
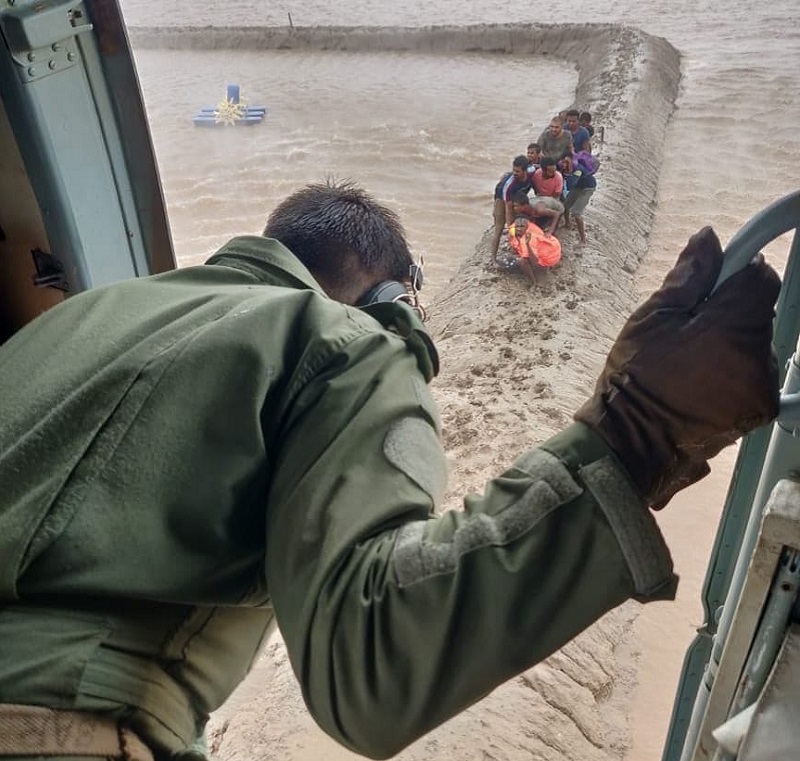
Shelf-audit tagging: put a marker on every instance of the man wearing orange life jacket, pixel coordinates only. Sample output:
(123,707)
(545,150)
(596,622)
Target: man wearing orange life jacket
(535,248)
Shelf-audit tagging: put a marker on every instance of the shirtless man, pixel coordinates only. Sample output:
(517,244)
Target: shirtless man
(544,211)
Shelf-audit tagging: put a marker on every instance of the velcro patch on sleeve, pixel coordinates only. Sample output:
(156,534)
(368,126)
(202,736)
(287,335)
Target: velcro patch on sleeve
(414,448)
(551,485)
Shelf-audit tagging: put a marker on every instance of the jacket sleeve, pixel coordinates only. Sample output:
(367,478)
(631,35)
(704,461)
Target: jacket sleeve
(396,619)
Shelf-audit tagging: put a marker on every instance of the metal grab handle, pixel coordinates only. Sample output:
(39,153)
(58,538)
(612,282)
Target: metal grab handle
(778,218)
(765,456)
(775,220)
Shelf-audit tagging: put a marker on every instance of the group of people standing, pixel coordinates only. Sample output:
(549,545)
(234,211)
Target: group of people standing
(560,169)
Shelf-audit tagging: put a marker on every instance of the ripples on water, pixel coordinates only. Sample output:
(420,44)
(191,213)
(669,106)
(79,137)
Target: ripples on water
(731,148)
(429,135)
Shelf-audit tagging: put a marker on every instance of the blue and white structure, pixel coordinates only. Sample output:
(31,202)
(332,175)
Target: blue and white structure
(229,112)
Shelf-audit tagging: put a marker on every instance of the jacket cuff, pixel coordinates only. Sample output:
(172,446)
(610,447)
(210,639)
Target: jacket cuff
(641,543)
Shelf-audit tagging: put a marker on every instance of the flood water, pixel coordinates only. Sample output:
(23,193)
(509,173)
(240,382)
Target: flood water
(394,123)
(432,137)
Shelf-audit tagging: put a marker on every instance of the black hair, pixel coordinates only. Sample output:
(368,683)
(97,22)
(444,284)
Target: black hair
(585,116)
(520,198)
(573,112)
(520,161)
(547,161)
(534,146)
(325,224)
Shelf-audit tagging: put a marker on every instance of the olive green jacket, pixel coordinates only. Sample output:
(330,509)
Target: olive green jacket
(184,454)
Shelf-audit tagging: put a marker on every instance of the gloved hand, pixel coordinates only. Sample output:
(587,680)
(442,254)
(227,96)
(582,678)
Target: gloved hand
(689,373)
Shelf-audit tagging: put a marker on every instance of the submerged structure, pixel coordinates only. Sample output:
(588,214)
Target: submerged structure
(230,112)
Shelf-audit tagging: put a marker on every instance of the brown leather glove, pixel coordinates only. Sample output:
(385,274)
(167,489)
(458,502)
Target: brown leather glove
(689,373)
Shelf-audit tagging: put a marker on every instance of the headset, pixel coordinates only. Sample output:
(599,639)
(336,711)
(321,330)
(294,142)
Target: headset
(394,290)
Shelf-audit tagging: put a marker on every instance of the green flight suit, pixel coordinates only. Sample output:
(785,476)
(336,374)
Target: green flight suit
(180,455)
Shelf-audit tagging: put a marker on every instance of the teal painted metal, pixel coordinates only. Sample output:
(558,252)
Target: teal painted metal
(768,639)
(69,87)
(777,219)
(750,484)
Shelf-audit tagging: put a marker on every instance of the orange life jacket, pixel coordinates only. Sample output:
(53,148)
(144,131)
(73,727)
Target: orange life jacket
(533,243)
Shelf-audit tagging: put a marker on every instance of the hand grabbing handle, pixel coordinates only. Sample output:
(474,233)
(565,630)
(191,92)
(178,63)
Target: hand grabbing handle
(691,371)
